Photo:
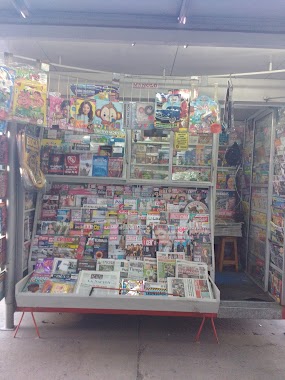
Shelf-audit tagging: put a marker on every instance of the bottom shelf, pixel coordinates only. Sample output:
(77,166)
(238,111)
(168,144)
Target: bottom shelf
(112,303)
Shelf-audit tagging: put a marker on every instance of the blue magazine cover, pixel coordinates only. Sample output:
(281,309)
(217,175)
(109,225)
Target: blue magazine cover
(100,166)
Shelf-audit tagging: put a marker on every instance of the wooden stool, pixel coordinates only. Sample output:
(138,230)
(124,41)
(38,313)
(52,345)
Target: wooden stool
(234,259)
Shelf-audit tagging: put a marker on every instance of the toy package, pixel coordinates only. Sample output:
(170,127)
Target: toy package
(204,112)
(30,97)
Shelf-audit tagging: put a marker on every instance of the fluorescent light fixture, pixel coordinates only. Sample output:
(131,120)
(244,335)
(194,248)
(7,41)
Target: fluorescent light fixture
(21,7)
(133,44)
(182,18)
(185,46)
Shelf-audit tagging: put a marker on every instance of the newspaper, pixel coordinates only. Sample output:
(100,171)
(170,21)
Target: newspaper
(190,269)
(109,265)
(189,288)
(108,281)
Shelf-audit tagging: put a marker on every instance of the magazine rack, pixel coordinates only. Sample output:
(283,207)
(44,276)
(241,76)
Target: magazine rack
(140,305)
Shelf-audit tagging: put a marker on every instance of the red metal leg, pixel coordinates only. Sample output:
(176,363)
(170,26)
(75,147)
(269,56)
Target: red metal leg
(214,329)
(200,330)
(17,328)
(36,326)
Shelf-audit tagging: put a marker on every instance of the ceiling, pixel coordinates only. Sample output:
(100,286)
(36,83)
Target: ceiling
(221,37)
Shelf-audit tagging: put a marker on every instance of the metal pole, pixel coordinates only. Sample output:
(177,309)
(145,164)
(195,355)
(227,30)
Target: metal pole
(11,231)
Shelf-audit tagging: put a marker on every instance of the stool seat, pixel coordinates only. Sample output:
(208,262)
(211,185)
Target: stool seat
(229,261)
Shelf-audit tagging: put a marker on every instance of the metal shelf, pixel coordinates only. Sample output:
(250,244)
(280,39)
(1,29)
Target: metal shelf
(153,142)
(259,210)
(275,267)
(80,179)
(29,210)
(258,226)
(133,164)
(192,166)
(259,185)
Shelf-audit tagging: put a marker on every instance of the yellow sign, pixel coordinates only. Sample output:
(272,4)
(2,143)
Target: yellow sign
(181,139)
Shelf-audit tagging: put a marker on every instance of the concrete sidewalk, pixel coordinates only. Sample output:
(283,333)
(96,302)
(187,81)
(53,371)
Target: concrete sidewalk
(79,347)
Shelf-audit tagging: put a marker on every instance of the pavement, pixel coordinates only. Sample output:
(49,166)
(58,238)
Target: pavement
(104,347)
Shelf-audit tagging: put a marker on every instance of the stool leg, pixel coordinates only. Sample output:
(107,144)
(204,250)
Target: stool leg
(222,254)
(236,254)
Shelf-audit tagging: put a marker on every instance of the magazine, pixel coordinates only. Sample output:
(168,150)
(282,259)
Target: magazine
(132,287)
(35,283)
(63,267)
(155,289)
(97,283)
(189,288)
(85,166)
(100,166)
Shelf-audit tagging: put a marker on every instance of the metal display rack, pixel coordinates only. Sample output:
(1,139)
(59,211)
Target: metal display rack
(261,165)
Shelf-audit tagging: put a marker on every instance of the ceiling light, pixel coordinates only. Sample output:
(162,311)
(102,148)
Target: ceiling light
(21,7)
(182,18)
(185,46)
(133,44)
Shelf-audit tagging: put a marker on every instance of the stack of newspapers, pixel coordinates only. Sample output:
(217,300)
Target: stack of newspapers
(228,229)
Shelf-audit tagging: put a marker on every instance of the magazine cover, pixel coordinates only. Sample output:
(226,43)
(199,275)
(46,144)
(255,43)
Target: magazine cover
(3,150)
(35,283)
(54,228)
(144,116)
(132,287)
(86,264)
(116,247)
(100,166)
(202,253)
(64,266)
(115,167)
(44,266)
(97,283)
(85,166)
(108,115)
(167,110)
(82,113)
(155,289)
(180,246)
(71,164)
(56,163)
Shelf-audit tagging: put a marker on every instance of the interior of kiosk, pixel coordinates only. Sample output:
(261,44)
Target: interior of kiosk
(242,293)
